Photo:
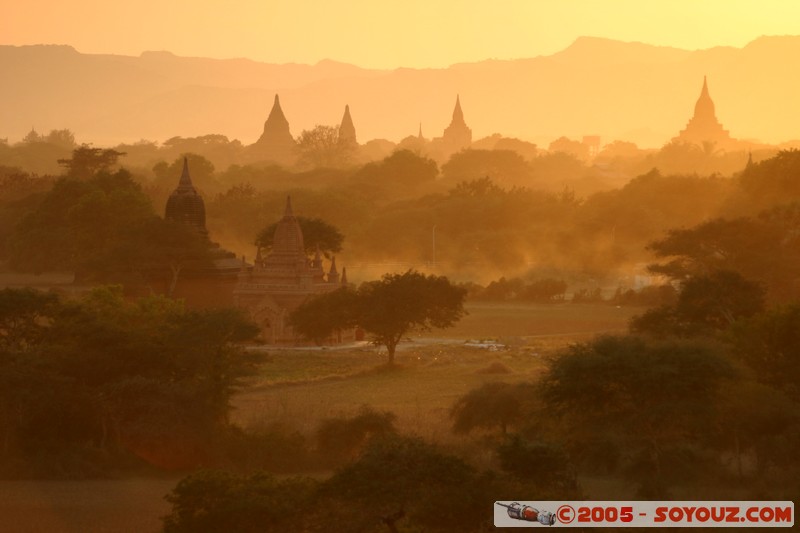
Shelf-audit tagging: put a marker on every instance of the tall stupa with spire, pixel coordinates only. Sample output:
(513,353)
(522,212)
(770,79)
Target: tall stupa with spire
(203,274)
(457,136)
(185,205)
(704,127)
(347,131)
(276,143)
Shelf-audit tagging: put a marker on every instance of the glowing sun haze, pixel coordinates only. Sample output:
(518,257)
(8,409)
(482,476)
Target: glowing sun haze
(385,33)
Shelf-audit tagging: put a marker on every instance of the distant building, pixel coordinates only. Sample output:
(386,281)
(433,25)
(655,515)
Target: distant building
(200,281)
(276,143)
(457,136)
(347,131)
(703,127)
(185,205)
(285,278)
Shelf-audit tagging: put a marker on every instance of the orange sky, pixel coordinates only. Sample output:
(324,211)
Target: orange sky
(385,33)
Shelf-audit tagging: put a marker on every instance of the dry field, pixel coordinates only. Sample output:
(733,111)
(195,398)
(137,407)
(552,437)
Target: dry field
(297,388)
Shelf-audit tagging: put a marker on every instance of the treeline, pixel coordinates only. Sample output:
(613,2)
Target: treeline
(481,215)
(101,384)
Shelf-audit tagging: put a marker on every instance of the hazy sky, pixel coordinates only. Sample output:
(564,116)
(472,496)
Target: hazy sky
(385,33)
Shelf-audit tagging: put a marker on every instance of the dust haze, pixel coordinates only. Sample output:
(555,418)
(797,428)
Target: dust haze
(193,254)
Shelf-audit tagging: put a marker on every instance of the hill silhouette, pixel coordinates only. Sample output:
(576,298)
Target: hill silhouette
(619,90)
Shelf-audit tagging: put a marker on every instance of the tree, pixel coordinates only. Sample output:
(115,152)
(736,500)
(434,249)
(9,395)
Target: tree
(320,317)
(501,166)
(707,304)
(388,308)
(568,146)
(63,138)
(77,222)
(87,161)
(772,181)
(652,395)
(162,393)
(492,405)
(316,233)
(24,314)
(398,303)
(343,438)
(769,343)
(322,147)
(213,501)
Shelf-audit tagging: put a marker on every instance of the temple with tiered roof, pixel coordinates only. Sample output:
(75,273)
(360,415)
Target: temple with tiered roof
(278,283)
(457,136)
(704,127)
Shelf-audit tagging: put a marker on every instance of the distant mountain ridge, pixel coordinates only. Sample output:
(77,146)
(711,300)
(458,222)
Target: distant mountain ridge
(595,86)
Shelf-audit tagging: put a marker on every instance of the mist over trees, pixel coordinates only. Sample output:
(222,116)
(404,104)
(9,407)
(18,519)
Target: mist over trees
(701,390)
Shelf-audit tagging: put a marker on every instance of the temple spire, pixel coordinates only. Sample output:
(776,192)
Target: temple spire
(333,274)
(457,135)
(186,179)
(704,127)
(276,143)
(419,135)
(276,113)
(185,204)
(288,211)
(458,115)
(347,131)
(344,275)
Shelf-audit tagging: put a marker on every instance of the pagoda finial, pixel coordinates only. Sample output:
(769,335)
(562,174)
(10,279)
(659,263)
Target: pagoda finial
(419,135)
(344,275)
(333,275)
(186,179)
(347,131)
(458,115)
(288,211)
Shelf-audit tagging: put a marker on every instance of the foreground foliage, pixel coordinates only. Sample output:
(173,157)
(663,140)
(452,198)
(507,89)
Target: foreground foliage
(103,376)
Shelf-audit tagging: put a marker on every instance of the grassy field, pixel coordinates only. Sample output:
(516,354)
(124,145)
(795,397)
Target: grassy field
(298,388)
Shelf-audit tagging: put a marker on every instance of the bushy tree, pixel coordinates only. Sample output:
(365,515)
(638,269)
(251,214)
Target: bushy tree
(342,438)
(214,501)
(147,378)
(87,161)
(653,395)
(769,343)
(388,309)
(322,147)
(493,405)
(707,304)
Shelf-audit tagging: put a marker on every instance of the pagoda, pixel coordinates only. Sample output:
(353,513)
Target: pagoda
(347,131)
(457,135)
(202,278)
(278,283)
(704,127)
(276,143)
